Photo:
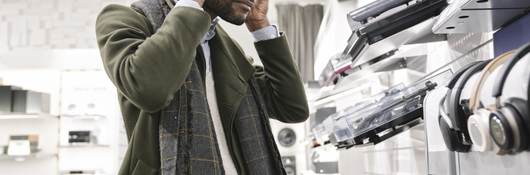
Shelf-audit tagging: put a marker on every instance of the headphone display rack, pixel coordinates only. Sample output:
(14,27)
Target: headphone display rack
(393,118)
(380,29)
(385,131)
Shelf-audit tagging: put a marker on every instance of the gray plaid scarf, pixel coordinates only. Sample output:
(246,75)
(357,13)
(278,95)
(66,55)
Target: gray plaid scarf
(188,144)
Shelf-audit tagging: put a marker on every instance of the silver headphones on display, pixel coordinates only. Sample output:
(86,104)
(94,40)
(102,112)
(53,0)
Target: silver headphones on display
(509,122)
(478,123)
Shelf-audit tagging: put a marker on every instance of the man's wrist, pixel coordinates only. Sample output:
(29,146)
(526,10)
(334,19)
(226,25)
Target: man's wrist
(266,33)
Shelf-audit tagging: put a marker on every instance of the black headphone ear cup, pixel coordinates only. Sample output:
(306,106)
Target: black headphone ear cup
(451,137)
(518,108)
(500,130)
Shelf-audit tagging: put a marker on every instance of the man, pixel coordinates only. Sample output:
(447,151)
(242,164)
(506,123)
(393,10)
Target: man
(192,103)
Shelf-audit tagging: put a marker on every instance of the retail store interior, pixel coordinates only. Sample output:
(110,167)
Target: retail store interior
(394,87)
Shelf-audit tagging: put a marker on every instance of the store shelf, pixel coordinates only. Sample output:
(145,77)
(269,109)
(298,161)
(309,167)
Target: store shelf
(469,16)
(58,59)
(82,172)
(504,4)
(29,157)
(17,116)
(85,146)
(394,149)
(83,116)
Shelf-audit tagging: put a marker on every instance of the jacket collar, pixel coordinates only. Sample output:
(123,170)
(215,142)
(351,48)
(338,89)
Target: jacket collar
(229,51)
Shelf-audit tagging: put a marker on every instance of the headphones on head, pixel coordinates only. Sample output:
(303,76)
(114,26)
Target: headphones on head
(453,117)
(478,123)
(509,123)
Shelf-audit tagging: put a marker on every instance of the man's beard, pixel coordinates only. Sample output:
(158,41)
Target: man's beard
(225,11)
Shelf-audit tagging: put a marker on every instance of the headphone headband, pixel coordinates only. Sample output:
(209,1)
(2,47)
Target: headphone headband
(486,72)
(501,78)
(459,73)
(443,113)
(454,107)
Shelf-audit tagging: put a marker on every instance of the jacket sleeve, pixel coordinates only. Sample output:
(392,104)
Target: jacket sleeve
(148,69)
(279,82)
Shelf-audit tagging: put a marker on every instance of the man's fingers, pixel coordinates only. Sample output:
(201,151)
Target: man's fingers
(261,3)
(201,2)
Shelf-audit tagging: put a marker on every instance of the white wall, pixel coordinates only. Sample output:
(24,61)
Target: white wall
(49,23)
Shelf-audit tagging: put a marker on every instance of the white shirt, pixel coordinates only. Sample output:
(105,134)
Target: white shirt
(266,33)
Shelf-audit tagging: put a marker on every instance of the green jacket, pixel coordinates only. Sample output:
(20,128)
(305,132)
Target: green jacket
(147,71)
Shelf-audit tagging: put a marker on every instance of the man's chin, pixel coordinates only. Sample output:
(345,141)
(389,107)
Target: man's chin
(236,20)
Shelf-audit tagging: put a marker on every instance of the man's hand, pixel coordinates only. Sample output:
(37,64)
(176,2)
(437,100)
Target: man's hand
(257,18)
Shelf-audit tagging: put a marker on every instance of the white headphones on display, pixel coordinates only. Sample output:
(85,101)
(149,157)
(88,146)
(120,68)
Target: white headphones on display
(478,123)
(452,115)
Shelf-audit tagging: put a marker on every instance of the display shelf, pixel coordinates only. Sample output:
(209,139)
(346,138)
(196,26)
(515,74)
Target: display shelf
(409,25)
(28,157)
(469,16)
(82,172)
(22,116)
(83,116)
(55,59)
(85,146)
